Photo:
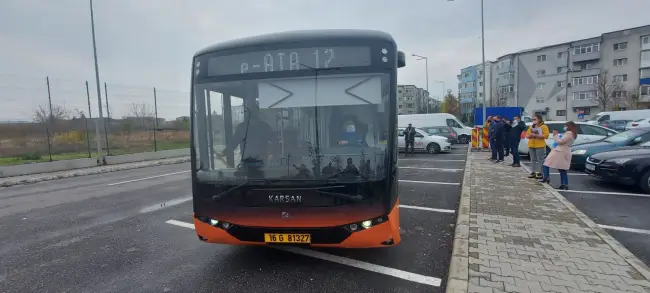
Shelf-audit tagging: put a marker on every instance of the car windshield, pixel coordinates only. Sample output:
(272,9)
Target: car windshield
(623,136)
(293,128)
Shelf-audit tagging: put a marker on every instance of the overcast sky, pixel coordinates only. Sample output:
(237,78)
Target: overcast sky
(147,43)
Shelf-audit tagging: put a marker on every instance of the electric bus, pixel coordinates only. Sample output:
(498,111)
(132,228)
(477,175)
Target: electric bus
(294,140)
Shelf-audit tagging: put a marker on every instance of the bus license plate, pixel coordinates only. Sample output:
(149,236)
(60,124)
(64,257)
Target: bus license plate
(590,167)
(287,238)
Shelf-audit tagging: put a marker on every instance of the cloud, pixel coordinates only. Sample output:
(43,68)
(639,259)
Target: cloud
(147,43)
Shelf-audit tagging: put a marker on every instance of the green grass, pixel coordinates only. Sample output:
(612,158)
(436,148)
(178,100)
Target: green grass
(162,146)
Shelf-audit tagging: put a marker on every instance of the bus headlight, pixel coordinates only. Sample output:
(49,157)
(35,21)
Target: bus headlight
(214,222)
(366,224)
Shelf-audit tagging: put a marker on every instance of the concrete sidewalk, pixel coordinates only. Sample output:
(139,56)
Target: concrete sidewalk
(514,234)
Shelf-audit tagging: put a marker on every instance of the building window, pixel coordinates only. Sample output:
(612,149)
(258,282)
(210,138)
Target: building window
(561,84)
(620,78)
(480,83)
(644,73)
(561,69)
(592,79)
(620,62)
(399,106)
(506,89)
(584,96)
(645,90)
(541,58)
(540,85)
(560,55)
(645,40)
(539,100)
(541,72)
(560,98)
(586,49)
(619,94)
(620,46)
(560,112)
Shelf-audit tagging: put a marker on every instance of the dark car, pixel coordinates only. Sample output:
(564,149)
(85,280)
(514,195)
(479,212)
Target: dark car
(618,125)
(632,137)
(627,165)
(445,131)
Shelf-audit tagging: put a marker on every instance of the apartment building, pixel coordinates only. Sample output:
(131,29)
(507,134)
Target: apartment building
(412,100)
(470,86)
(570,77)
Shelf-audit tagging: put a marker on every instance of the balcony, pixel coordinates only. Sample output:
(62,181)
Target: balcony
(585,56)
(504,69)
(583,103)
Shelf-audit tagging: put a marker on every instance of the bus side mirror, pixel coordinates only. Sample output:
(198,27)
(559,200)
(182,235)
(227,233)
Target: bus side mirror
(401,59)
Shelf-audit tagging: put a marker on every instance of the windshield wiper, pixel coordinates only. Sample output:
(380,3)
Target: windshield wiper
(227,192)
(355,198)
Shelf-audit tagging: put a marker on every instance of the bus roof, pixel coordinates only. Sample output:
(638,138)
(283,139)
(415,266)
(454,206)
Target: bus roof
(298,36)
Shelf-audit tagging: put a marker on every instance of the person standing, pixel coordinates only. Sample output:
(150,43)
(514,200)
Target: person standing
(497,138)
(515,138)
(409,140)
(537,135)
(560,156)
(506,137)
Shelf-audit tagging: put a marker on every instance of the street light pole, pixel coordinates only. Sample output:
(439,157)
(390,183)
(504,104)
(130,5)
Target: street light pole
(426,63)
(483,53)
(100,121)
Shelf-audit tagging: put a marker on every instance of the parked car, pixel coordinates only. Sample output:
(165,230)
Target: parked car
(638,123)
(627,165)
(430,143)
(632,137)
(586,133)
(445,131)
(618,125)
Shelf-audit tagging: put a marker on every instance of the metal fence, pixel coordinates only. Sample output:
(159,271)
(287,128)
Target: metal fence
(47,119)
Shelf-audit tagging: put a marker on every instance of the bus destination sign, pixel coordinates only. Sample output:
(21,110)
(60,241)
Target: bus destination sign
(289,60)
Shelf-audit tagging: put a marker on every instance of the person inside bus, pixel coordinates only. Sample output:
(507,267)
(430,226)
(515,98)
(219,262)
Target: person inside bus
(352,132)
(253,136)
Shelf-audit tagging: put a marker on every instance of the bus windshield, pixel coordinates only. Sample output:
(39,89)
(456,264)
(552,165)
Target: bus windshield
(305,128)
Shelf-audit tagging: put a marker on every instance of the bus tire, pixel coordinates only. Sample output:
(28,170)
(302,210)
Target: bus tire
(463,139)
(644,182)
(433,148)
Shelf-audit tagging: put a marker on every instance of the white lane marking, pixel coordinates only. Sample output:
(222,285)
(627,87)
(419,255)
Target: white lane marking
(433,169)
(346,261)
(365,266)
(147,178)
(606,192)
(427,209)
(429,182)
(166,204)
(624,229)
(181,224)
(429,160)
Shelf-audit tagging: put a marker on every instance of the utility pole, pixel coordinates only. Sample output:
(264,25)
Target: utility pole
(100,120)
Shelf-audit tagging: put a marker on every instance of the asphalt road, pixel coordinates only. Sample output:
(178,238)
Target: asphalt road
(624,212)
(112,233)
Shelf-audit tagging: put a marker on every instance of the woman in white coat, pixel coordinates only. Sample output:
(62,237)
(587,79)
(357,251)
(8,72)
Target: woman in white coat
(560,156)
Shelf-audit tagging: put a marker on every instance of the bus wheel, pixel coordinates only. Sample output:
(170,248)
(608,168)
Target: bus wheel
(433,148)
(463,139)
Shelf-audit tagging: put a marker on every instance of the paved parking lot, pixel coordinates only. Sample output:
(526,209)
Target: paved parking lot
(623,211)
(131,231)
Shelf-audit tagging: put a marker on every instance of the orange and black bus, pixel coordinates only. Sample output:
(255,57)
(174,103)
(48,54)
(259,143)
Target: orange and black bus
(294,139)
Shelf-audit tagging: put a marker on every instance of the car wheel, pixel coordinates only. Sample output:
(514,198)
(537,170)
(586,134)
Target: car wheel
(645,182)
(433,148)
(463,139)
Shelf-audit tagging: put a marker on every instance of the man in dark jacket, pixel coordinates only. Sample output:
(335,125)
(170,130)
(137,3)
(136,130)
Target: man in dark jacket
(518,127)
(497,138)
(507,125)
(409,140)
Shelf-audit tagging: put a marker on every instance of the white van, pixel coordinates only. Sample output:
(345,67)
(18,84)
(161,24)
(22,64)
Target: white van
(620,115)
(437,119)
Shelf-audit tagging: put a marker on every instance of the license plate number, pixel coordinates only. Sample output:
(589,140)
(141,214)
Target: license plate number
(287,238)
(590,167)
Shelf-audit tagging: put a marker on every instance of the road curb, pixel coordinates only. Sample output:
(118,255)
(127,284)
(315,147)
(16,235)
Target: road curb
(82,172)
(623,252)
(458,279)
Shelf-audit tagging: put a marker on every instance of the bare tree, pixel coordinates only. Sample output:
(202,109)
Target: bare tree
(497,98)
(43,115)
(632,99)
(606,88)
(142,112)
